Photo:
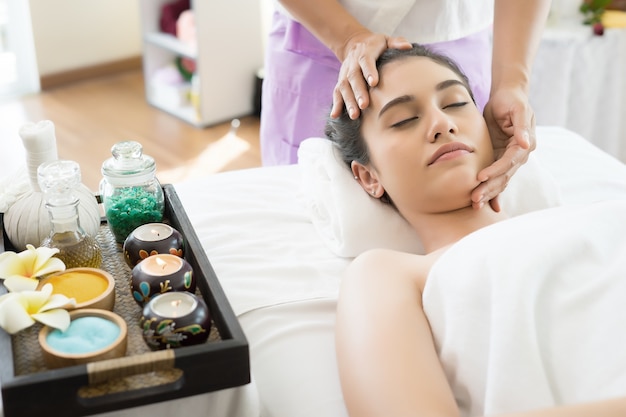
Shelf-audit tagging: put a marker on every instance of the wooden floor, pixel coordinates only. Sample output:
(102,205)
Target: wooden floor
(91,116)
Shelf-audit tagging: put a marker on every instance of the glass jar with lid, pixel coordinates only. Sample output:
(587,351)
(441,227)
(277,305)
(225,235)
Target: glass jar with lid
(130,192)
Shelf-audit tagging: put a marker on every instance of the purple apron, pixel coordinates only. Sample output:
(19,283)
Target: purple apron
(300,74)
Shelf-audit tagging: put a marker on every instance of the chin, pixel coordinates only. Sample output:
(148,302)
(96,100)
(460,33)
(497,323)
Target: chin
(457,196)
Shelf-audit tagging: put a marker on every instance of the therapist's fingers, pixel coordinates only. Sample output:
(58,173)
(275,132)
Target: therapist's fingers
(358,71)
(488,191)
(494,203)
(511,156)
(351,90)
(511,123)
(495,178)
(369,67)
(398,42)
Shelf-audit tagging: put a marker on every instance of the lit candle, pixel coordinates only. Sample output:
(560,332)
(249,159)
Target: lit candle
(161,273)
(161,265)
(151,239)
(84,335)
(153,232)
(174,304)
(175,319)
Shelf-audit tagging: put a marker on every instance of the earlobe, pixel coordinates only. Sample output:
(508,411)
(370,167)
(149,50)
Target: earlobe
(367,178)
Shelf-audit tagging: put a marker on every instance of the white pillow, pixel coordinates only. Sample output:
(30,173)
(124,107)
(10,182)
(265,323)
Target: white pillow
(350,221)
(582,171)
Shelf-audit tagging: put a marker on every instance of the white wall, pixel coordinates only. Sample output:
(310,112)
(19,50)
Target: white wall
(72,34)
(267,9)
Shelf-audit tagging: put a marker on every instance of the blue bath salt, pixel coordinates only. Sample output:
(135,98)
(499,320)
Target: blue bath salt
(84,335)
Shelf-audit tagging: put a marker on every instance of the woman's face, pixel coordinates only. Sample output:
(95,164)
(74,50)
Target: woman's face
(426,138)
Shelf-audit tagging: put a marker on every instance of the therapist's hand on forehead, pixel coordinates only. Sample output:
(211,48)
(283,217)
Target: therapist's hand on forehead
(358,70)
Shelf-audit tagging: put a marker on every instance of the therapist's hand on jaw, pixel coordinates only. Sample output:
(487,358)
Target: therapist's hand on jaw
(358,70)
(511,124)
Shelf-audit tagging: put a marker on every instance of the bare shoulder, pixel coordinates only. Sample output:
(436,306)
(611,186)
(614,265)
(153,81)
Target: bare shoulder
(389,264)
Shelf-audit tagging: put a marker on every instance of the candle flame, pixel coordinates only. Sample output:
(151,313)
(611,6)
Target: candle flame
(175,305)
(160,262)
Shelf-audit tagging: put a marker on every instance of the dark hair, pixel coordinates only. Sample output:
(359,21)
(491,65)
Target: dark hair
(345,133)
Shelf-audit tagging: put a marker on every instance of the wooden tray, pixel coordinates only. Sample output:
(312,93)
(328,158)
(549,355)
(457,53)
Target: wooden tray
(142,376)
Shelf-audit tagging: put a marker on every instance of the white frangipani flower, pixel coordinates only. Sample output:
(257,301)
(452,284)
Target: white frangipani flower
(21,271)
(19,310)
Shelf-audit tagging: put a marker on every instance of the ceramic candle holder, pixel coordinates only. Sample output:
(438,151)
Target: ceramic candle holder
(175,319)
(151,239)
(158,274)
(90,287)
(77,345)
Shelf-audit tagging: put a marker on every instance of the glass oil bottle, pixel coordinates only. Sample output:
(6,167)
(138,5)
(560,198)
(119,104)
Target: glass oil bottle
(58,181)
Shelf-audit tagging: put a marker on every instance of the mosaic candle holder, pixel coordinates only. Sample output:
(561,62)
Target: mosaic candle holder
(175,319)
(151,239)
(161,273)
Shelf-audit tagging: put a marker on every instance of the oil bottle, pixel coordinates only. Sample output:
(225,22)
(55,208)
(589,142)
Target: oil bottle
(58,181)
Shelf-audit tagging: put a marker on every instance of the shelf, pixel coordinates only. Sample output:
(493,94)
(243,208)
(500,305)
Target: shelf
(224,70)
(171,43)
(185,112)
(174,99)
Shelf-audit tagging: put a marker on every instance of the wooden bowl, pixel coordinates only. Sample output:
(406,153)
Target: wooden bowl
(98,291)
(55,358)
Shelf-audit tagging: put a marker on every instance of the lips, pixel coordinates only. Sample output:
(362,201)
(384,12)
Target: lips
(447,149)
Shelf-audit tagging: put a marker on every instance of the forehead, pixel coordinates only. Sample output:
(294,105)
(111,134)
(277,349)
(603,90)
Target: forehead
(413,72)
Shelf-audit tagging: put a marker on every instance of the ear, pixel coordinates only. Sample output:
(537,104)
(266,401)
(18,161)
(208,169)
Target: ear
(368,179)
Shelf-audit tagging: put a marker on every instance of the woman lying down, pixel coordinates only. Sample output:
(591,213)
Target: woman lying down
(515,317)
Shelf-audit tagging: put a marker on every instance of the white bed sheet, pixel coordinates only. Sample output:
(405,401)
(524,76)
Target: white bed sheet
(259,238)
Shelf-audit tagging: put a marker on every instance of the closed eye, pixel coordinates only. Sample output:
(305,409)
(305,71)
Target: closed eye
(453,105)
(405,121)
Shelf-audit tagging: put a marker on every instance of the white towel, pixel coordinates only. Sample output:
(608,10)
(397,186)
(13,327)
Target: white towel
(531,312)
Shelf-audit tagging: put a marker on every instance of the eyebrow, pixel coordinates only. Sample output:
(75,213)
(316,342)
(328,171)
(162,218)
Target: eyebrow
(407,98)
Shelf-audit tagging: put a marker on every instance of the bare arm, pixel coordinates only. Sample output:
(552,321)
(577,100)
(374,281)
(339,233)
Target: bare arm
(608,408)
(387,361)
(517,29)
(356,47)
(328,21)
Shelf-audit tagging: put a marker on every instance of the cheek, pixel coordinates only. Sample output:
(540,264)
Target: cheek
(487,155)
(403,180)
(485,145)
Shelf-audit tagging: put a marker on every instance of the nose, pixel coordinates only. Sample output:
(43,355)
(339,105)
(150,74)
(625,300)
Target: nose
(441,125)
